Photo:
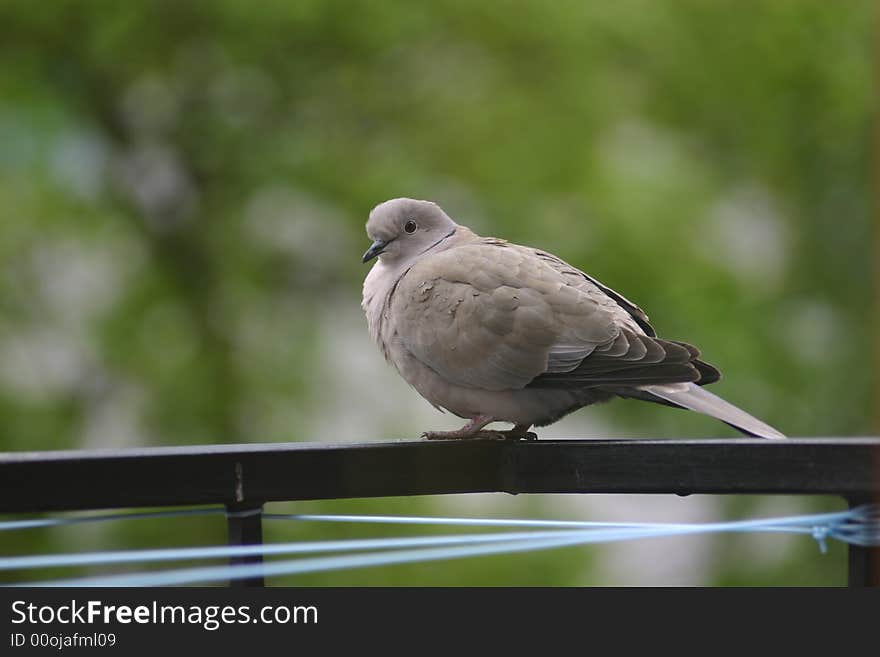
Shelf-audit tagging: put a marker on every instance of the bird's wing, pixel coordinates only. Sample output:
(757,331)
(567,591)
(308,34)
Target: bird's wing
(637,314)
(497,316)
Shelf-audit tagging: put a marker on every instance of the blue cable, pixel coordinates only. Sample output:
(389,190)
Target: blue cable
(859,526)
(34,523)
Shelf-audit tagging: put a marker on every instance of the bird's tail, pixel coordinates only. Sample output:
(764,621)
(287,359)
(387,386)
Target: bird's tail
(695,398)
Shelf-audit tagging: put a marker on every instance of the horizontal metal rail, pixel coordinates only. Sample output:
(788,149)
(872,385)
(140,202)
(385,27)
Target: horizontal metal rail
(244,477)
(256,473)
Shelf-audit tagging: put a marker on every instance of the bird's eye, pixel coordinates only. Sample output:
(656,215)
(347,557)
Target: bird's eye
(410,227)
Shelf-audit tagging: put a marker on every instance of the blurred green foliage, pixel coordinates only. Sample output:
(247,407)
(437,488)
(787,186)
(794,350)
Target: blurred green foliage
(183,188)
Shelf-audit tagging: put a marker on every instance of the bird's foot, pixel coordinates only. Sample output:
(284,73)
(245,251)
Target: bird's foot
(470,430)
(519,432)
(473,430)
(450,435)
(506,435)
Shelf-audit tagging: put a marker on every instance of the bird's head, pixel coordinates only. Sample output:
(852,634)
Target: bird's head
(403,228)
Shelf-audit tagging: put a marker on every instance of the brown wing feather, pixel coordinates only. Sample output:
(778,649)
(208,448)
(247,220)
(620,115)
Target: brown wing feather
(646,360)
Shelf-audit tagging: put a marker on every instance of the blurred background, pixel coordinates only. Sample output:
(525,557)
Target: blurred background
(184,187)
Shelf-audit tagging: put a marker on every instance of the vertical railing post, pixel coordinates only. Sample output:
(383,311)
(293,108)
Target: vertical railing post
(863,562)
(245,527)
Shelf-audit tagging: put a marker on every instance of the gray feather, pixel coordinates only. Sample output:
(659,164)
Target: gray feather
(695,398)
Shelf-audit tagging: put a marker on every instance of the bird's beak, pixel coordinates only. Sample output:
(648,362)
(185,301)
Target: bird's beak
(375,249)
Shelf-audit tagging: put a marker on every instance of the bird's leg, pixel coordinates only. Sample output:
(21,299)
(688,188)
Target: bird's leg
(470,430)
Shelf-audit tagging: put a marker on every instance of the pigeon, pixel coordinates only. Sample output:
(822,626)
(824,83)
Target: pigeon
(493,331)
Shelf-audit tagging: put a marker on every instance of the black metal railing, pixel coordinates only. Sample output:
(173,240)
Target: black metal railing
(244,477)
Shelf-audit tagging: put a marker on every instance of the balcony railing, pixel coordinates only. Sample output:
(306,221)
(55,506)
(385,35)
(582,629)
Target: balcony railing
(244,477)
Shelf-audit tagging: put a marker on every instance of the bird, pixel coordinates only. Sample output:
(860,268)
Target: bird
(493,331)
